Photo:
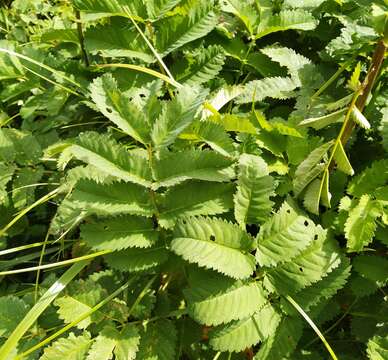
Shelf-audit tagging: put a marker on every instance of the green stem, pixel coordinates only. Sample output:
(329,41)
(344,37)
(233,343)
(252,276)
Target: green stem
(59,263)
(314,327)
(81,38)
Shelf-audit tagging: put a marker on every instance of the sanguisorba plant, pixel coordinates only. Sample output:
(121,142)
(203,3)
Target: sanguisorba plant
(208,202)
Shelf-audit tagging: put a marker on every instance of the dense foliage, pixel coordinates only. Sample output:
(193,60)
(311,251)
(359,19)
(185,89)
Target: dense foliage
(193,179)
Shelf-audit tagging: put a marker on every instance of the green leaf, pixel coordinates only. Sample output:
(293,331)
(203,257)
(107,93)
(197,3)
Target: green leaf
(113,199)
(359,118)
(254,187)
(215,244)
(193,164)
(81,296)
(323,289)
(119,233)
(135,260)
(215,136)
(194,198)
(315,262)
(312,196)
(378,348)
(203,66)
(158,341)
(370,179)
(372,267)
(12,311)
(103,8)
(310,168)
(212,298)
(284,236)
(273,87)
(176,115)
(117,38)
(242,334)
(108,156)
(70,348)
(361,223)
(177,30)
(123,345)
(120,109)
(286,20)
(342,160)
(282,342)
(320,122)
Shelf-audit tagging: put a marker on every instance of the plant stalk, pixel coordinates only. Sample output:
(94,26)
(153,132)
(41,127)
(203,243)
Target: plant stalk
(373,72)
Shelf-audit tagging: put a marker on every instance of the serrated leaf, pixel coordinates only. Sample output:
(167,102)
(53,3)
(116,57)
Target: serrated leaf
(372,267)
(119,109)
(323,289)
(203,67)
(119,233)
(12,311)
(215,136)
(135,260)
(284,236)
(212,298)
(242,334)
(117,38)
(107,155)
(378,348)
(370,179)
(123,345)
(254,187)
(158,341)
(69,348)
(215,244)
(81,296)
(361,223)
(176,115)
(354,81)
(111,199)
(273,87)
(194,198)
(315,262)
(286,20)
(176,31)
(283,341)
(193,164)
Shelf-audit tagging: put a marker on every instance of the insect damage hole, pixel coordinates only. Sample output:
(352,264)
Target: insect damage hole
(212,238)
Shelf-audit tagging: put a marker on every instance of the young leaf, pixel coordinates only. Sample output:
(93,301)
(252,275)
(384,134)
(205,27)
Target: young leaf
(342,160)
(359,118)
(361,223)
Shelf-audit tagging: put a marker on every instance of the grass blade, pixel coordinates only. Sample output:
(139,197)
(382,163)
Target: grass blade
(39,307)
